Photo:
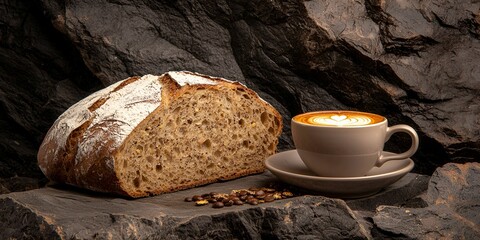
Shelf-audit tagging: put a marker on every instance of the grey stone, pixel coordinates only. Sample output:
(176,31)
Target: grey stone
(448,208)
(41,74)
(3,189)
(58,212)
(16,184)
(398,194)
(452,208)
(401,193)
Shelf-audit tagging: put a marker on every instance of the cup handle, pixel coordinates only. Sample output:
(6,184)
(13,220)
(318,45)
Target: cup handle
(399,156)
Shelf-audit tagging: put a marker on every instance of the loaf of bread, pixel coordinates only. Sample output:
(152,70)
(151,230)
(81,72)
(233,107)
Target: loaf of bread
(157,134)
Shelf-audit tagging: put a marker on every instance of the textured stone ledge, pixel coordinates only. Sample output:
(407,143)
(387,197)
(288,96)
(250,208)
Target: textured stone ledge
(441,206)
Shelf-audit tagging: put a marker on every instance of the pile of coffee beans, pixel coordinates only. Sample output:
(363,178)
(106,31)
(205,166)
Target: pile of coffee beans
(252,196)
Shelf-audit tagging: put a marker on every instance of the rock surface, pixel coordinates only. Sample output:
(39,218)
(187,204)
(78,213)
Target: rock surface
(415,63)
(407,209)
(451,211)
(62,213)
(41,74)
(16,184)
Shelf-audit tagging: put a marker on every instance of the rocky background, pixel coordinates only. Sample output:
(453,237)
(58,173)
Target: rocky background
(415,62)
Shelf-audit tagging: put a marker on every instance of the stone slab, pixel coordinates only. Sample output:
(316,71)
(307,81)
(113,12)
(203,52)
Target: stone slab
(451,210)
(58,212)
(447,208)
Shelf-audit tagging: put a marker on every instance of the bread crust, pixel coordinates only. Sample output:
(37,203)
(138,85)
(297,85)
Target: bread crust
(82,146)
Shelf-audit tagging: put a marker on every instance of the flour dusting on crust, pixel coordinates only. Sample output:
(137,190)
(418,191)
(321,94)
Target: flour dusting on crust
(124,109)
(184,78)
(70,120)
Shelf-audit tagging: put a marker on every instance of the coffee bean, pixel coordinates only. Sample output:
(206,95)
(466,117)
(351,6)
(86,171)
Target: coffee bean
(201,202)
(253,201)
(238,202)
(250,197)
(212,200)
(228,204)
(188,199)
(287,194)
(218,205)
(269,198)
(269,190)
(243,193)
(234,199)
(259,193)
(261,196)
(243,197)
(277,196)
(197,198)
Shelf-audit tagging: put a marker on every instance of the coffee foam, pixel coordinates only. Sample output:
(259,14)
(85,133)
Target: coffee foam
(339,118)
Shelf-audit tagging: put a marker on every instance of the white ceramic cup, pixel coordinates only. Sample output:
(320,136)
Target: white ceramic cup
(345,143)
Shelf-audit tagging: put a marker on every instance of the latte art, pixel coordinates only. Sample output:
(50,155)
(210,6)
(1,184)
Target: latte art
(339,118)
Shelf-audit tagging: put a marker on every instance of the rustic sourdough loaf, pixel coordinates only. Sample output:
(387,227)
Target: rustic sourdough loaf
(156,134)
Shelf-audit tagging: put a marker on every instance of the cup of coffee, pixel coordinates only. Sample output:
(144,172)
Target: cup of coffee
(346,143)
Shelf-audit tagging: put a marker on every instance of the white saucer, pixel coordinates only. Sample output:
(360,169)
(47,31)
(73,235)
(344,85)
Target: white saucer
(288,167)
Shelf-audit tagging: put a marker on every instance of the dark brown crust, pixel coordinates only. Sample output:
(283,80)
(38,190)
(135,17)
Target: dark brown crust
(62,168)
(126,82)
(169,89)
(100,176)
